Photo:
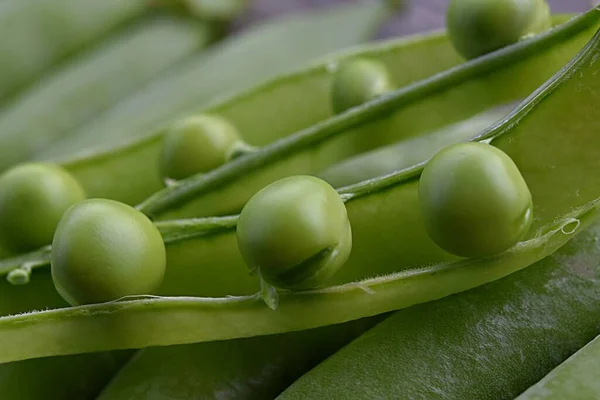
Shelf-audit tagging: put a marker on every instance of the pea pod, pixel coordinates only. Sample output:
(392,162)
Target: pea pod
(491,342)
(37,35)
(92,82)
(456,94)
(254,368)
(178,320)
(122,165)
(573,379)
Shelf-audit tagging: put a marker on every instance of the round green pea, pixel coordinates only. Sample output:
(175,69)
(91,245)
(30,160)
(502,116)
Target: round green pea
(358,81)
(33,198)
(197,144)
(104,250)
(295,233)
(477,27)
(474,200)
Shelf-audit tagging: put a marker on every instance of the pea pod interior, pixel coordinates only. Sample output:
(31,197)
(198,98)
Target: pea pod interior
(451,96)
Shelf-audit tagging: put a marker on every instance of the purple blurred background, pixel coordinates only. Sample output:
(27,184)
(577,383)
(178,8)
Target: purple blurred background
(419,15)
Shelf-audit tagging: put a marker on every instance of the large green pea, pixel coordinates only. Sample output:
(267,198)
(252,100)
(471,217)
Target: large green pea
(33,198)
(104,250)
(477,27)
(358,81)
(295,233)
(197,144)
(474,200)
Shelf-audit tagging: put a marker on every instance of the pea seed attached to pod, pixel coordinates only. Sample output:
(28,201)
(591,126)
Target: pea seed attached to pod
(104,250)
(474,200)
(198,144)
(33,198)
(358,81)
(477,27)
(295,233)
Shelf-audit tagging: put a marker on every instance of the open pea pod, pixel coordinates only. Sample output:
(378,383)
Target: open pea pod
(491,342)
(448,97)
(574,379)
(92,82)
(556,111)
(113,155)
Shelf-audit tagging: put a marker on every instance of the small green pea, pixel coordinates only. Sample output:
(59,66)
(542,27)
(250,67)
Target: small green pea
(197,144)
(474,200)
(104,250)
(33,198)
(477,27)
(358,81)
(295,233)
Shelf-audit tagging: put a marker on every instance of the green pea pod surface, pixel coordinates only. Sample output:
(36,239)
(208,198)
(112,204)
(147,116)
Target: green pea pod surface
(92,82)
(556,111)
(409,152)
(451,96)
(489,343)
(254,368)
(36,35)
(574,379)
(80,377)
(114,157)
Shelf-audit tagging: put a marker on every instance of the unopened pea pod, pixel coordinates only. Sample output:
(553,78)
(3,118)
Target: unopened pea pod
(151,321)
(573,379)
(114,157)
(255,368)
(448,97)
(407,153)
(38,34)
(491,342)
(91,82)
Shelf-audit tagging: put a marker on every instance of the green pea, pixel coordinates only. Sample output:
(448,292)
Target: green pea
(474,200)
(197,144)
(477,27)
(33,198)
(358,81)
(295,233)
(104,250)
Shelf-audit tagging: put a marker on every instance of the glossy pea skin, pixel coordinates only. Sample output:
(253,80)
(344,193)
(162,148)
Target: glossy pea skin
(33,198)
(295,233)
(104,250)
(478,27)
(197,144)
(474,200)
(358,81)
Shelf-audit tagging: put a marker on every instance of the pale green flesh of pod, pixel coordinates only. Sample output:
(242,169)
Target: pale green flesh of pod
(547,117)
(409,152)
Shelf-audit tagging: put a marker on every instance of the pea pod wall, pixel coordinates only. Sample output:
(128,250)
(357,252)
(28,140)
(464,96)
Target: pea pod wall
(453,95)
(92,82)
(185,319)
(127,170)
